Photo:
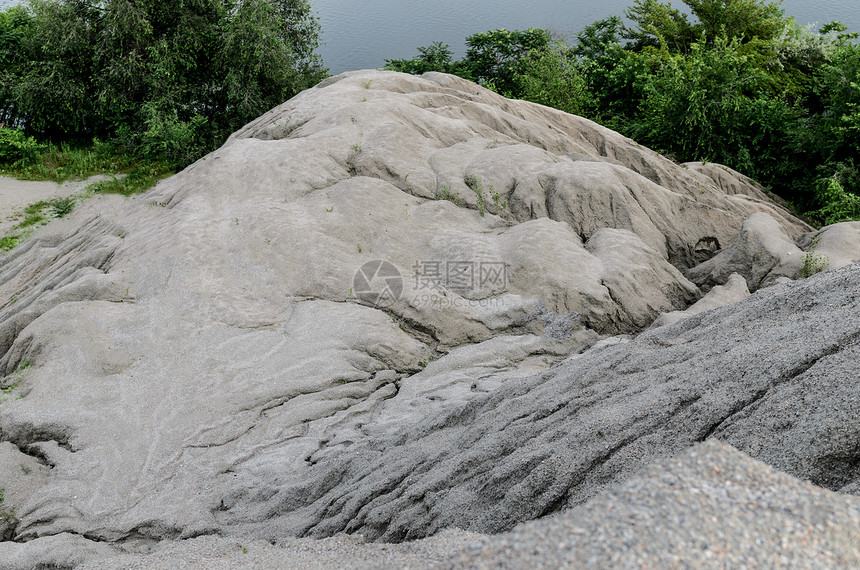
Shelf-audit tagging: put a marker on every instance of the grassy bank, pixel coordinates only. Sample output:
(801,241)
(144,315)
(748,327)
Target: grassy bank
(27,159)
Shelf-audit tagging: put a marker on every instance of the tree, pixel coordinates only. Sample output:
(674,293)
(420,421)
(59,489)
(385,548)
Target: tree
(714,104)
(14,27)
(598,40)
(169,77)
(436,57)
(657,24)
(831,138)
(498,57)
(743,20)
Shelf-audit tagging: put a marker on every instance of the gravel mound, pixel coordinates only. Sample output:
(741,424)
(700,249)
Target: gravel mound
(395,306)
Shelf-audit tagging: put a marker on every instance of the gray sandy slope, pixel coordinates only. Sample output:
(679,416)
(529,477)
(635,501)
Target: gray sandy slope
(774,375)
(225,356)
(710,507)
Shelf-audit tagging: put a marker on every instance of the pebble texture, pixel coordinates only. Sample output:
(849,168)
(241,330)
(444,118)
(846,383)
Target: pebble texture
(203,360)
(710,507)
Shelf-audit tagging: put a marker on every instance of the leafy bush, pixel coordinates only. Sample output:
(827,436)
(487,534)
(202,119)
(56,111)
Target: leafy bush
(173,140)
(838,204)
(73,160)
(9,242)
(738,83)
(17,149)
(62,206)
(834,126)
(138,180)
(435,57)
(713,104)
(553,78)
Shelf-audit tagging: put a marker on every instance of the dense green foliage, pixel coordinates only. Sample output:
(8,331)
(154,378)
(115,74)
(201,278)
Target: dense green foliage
(435,57)
(736,82)
(23,157)
(169,80)
(17,149)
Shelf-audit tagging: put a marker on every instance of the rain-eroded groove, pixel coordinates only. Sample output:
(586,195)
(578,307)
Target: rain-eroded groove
(224,442)
(27,442)
(424,334)
(278,402)
(465,470)
(798,370)
(324,443)
(557,503)
(301,432)
(149,534)
(393,484)
(87,248)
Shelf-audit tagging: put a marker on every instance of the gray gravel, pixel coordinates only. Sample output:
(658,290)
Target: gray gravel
(775,376)
(191,378)
(710,507)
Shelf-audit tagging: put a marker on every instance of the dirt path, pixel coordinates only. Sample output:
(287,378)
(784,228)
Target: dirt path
(15,195)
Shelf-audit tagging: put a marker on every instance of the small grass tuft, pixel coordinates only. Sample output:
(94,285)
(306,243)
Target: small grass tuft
(813,263)
(35,215)
(137,181)
(445,193)
(68,161)
(31,220)
(423,363)
(9,242)
(482,193)
(62,206)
